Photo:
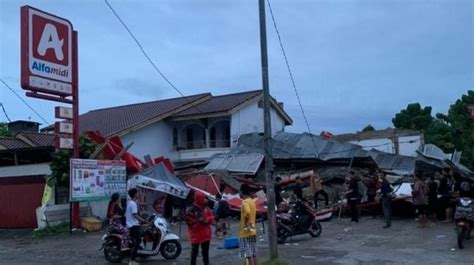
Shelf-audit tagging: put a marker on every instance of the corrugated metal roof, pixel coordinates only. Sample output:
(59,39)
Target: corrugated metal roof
(300,146)
(249,163)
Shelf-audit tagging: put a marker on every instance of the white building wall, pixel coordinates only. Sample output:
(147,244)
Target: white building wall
(250,119)
(155,140)
(384,145)
(409,145)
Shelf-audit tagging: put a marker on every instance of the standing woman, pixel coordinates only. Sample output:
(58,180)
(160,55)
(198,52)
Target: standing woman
(115,213)
(199,219)
(420,199)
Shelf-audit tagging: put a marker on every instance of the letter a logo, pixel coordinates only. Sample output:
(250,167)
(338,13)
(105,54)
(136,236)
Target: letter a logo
(50,40)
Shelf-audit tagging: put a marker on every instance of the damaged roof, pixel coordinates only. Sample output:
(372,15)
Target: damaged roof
(292,146)
(377,134)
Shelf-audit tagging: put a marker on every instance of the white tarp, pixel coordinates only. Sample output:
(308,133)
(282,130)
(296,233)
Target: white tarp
(180,191)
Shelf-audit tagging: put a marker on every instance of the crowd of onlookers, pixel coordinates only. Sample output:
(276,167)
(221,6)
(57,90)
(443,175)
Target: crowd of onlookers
(432,194)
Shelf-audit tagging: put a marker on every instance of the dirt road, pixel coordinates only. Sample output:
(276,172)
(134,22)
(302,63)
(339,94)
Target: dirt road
(340,243)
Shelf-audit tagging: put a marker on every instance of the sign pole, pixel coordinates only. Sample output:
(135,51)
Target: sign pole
(75,123)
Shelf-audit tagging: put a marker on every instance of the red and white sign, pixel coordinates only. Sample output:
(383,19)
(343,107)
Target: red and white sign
(63,127)
(63,113)
(46,52)
(62,142)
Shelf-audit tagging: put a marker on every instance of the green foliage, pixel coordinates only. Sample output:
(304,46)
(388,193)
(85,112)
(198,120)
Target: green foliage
(55,230)
(368,128)
(60,164)
(413,117)
(462,127)
(451,132)
(4,130)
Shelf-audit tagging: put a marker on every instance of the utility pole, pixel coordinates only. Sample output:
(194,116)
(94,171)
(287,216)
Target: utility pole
(272,231)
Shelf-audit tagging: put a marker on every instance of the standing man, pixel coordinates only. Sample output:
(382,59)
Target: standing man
(444,189)
(278,198)
(386,198)
(298,189)
(133,221)
(248,232)
(316,184)
(353,198)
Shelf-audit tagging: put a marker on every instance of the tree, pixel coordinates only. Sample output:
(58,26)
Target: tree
(4,130)
(60,164)
(368,128)
(462,128)
(451,132)
(413,117)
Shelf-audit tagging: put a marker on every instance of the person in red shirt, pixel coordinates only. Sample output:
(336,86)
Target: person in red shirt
(199,219)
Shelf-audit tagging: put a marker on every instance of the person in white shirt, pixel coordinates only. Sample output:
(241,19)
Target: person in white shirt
(133,221)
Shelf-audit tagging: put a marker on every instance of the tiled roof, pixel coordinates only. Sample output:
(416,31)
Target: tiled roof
(111,121)
(378,134)
(220,103)
(39,139)
(27,139)
(116,120)
(12,143)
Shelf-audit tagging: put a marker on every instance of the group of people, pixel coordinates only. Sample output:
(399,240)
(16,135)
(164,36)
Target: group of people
(429,197)
(438,194)
(125,219)
(199,218)
(431,194)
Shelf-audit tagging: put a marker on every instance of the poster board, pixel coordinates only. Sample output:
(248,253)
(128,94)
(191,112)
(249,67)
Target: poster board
(93,180)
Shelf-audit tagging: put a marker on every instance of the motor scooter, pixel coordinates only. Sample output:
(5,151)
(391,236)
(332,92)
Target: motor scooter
(155,239)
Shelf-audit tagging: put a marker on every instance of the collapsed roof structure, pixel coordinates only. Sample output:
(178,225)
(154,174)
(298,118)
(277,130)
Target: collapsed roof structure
(293,151)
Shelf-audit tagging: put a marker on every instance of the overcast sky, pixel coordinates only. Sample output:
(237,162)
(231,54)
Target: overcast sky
(354,62)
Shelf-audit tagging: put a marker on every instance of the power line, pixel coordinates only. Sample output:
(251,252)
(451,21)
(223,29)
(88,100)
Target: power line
(291,76)
(5,112)
(26,103)
(147,56)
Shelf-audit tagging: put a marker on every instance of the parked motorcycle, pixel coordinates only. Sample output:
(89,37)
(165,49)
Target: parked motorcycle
(155,239)
(464,219)
(299,219)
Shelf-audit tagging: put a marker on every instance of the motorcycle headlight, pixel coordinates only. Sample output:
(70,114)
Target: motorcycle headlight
(466,202)
(103,237)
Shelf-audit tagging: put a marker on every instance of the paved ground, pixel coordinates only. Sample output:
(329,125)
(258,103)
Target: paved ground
(340,243)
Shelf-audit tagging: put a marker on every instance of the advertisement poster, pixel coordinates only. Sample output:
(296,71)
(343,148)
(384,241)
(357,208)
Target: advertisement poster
(93,180)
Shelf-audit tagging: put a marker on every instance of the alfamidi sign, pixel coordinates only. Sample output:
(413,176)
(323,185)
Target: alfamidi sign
(47,52)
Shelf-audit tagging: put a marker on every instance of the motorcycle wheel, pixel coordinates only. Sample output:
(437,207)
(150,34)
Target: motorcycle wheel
(112,252)
(315,229)
(282,235)
(170,250)
(461,237)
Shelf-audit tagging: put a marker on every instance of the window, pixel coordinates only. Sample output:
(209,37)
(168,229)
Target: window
(189,138)
(175,137)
